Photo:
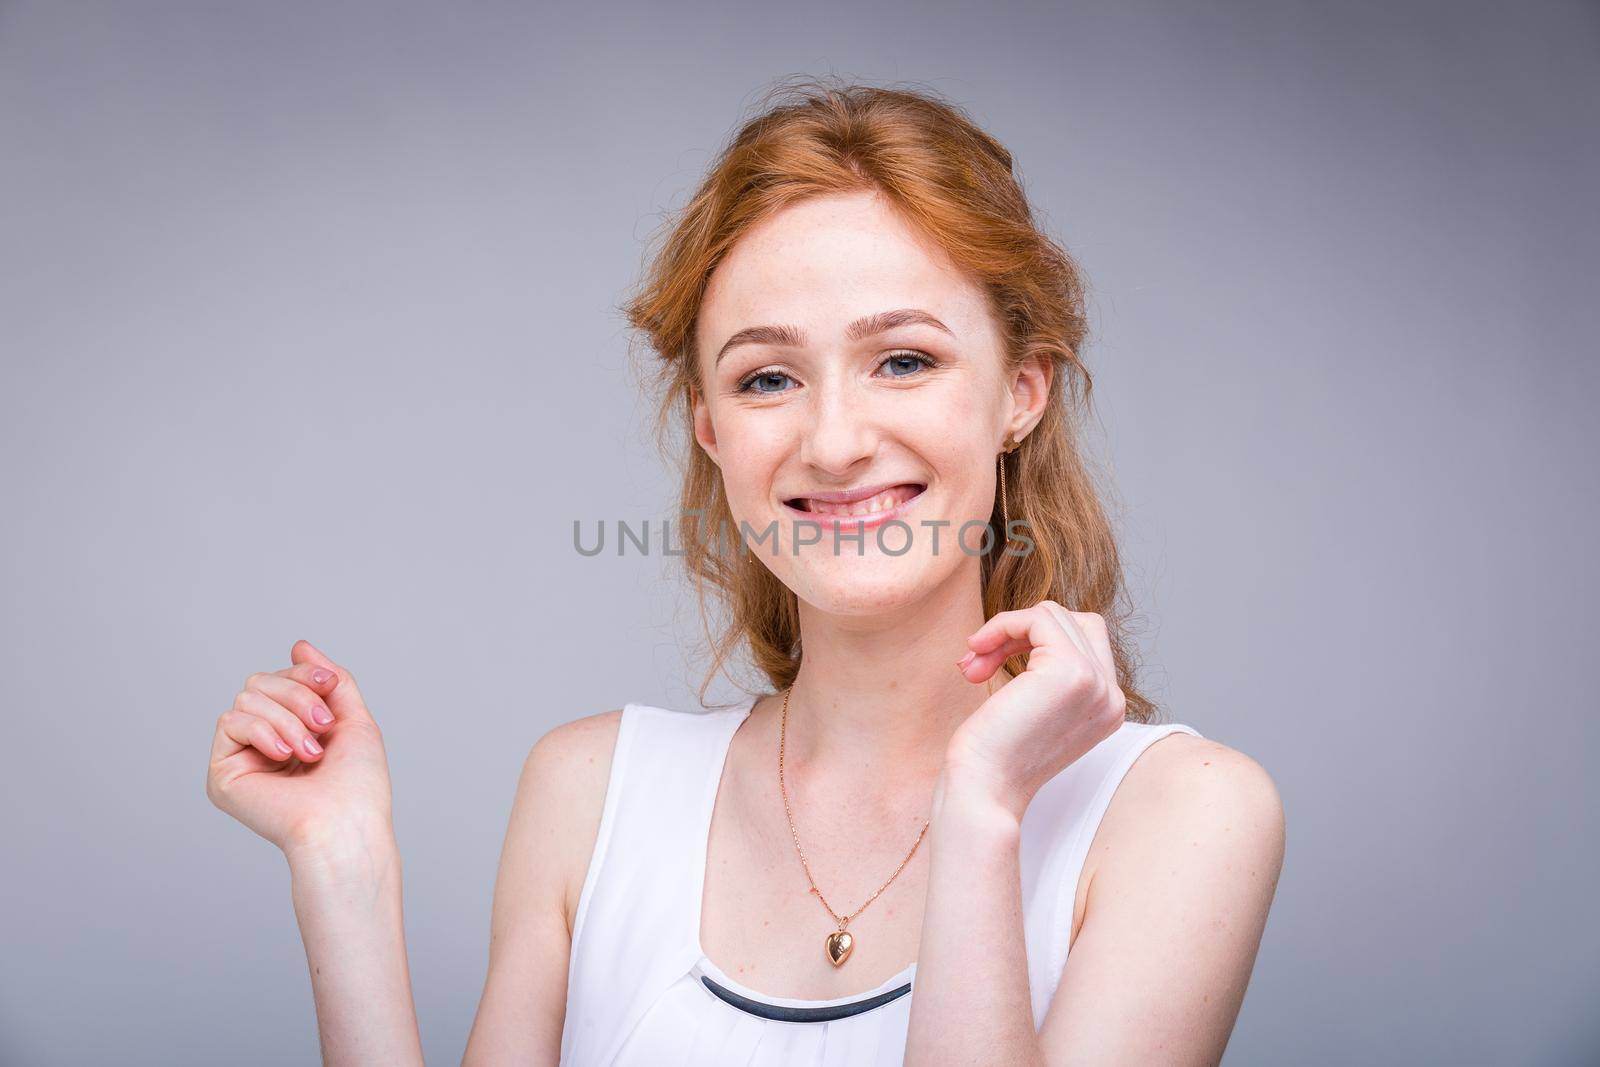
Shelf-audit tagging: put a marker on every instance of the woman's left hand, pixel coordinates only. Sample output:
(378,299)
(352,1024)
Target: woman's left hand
(1064,703)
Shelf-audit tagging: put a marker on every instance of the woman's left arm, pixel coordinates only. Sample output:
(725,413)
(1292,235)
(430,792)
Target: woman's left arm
(1158,971)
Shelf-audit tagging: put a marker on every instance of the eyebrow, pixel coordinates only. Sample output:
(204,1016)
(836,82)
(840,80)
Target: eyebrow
(867,326)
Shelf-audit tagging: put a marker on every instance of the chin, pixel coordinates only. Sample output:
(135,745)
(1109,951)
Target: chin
(868,585)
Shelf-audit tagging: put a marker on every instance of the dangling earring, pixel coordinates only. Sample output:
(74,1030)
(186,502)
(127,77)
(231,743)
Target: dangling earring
(1011,445)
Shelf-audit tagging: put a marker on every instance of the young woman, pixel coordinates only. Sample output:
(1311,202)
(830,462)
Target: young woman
(948,834)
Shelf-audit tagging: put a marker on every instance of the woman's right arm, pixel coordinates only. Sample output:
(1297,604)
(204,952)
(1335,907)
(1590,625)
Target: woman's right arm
(299,759)
(347,898)
(328,807)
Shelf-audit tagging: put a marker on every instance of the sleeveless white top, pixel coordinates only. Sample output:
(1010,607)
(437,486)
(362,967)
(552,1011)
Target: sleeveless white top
(640,990)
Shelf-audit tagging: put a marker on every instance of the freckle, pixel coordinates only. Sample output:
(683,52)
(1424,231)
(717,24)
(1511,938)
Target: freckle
(1207,763)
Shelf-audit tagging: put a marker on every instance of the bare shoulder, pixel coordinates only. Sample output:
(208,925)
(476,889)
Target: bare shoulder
(1186,864)
(578,752)
(1185,791)
(1181,767)
(563,793)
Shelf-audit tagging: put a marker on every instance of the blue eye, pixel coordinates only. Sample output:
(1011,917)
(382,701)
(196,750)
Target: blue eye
(917,359)
(908,359)
(761,375)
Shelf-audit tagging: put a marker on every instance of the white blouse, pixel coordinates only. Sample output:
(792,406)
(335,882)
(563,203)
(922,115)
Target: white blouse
(640,989)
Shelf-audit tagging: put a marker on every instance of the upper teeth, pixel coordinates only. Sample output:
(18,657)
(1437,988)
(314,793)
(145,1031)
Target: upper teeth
(882,502)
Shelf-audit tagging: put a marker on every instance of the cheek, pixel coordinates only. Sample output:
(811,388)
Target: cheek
(964,403)
(952,428)
(969,478)
(751,449)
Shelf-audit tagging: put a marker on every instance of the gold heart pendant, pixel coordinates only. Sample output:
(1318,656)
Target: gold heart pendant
(838,946)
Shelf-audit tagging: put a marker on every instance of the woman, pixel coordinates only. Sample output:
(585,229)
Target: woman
(954,784)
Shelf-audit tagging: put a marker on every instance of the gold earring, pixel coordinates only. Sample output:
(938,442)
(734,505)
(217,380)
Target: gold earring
(1011,445)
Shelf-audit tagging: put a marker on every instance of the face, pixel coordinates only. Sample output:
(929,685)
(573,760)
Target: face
(854,375)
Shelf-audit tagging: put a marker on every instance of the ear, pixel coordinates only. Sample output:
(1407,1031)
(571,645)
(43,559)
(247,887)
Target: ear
(1030,389)
(704,432)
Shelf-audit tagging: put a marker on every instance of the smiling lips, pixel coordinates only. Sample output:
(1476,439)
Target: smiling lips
(870,503)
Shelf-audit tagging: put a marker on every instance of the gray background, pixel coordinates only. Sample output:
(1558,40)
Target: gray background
(309,330)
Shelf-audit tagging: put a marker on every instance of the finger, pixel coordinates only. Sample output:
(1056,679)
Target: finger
(1008,647)
(296,695)
(344,699)
(1093,628)
(1080,641)
(982,666)
(1070,627)
(1033,625)
(1032,630)
(283,721)
(249,731)
(232,760)
(222,745)
(314,676)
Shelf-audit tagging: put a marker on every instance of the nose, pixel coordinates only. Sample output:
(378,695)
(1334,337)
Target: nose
(840,431)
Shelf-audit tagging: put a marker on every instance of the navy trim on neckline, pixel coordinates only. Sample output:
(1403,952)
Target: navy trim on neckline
(786,1014)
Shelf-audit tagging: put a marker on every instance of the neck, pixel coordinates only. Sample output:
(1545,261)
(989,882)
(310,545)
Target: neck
(878,697)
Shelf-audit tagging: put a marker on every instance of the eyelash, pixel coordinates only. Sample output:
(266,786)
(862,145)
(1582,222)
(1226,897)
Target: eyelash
(927,361)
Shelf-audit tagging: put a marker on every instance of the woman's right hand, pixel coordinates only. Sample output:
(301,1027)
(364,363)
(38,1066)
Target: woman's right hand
(333,781)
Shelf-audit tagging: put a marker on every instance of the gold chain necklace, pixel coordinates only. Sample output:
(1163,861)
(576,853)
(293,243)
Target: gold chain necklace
(837,945)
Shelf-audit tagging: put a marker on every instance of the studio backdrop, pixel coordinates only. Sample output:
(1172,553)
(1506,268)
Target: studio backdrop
(309,328)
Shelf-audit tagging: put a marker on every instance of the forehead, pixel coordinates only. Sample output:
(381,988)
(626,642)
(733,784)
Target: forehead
(826,261)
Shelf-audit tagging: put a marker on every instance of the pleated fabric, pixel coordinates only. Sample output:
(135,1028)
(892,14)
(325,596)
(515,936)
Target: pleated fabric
(634,990)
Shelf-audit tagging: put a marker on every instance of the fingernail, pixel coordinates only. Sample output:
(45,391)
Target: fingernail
(964,660)
(285,749)
(320,716)
(312,746)
(319,675)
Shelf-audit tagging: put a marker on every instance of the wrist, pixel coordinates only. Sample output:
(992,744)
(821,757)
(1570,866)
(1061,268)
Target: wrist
(971,799)
(343,851)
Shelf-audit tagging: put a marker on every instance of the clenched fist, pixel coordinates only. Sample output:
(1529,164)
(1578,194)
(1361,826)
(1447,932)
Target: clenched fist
(298,757)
